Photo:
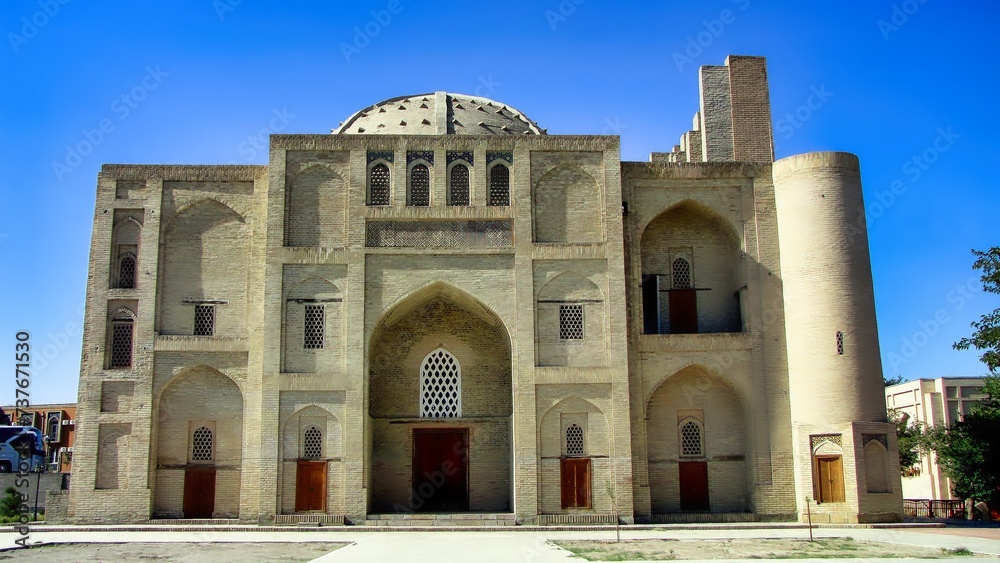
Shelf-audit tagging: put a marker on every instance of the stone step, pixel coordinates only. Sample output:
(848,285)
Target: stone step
(459,519)
(704,518)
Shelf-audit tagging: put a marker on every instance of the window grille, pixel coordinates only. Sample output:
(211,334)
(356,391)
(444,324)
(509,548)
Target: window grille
(420,186)
(201,445)
(315,323)
(574,440)
(681,274)
(840,343)
(499,185)
(378,185)
(571,322)
(312,443)
(691,439)
(440,386)
(121,344)
(459,191)
(126,272)
(204,320)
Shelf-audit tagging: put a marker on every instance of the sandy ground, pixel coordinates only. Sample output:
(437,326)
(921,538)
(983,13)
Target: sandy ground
(661,549)
(172,552)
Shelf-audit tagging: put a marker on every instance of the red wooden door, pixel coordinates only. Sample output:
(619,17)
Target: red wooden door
(693,478)
(440,470)
(575,478)
(683,311)
(310,486)
(199,492)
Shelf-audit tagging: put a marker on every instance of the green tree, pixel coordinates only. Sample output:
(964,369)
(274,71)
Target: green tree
(890,381)
(969,451)
(11,502)
(911,438)
(986,337)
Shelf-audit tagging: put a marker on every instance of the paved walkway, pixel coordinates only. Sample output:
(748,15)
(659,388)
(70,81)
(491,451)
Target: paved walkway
(506,547)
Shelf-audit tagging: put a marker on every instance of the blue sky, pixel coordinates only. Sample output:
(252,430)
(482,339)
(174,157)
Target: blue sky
(194,82)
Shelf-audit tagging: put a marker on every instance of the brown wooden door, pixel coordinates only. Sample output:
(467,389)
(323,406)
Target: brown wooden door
(693,479)
(830,474)
(310,486)
(683,311)
(199,492)
(440,470)
(575,477)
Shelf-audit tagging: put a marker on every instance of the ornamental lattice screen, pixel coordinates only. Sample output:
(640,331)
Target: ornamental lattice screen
(440,386)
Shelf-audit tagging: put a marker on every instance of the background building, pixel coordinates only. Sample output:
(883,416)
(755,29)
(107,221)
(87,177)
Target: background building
(440,307)
(934,402)
(58,422)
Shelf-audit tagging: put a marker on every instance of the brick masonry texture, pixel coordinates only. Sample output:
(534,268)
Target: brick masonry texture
(771,256)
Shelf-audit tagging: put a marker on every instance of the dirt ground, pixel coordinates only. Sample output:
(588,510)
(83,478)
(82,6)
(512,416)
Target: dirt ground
(657,549)
(171,552)
(991,533)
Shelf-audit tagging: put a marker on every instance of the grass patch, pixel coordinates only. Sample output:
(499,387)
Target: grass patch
(789,548)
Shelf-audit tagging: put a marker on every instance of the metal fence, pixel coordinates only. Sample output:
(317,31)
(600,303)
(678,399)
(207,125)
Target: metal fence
(926,508)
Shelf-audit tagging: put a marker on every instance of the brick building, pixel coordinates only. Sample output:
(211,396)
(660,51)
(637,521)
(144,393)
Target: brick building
(440,307)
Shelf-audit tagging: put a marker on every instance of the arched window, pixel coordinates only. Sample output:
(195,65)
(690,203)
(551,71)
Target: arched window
(53,430)
(121,338)
(312,443)
(201,445)
(574,440)
(126,271)
(499,185)
(440,386)
(420,186)
(458,188)
(378,185)
(681,274)
(691,439)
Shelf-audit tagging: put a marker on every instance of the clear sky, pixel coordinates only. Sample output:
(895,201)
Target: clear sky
(908,86)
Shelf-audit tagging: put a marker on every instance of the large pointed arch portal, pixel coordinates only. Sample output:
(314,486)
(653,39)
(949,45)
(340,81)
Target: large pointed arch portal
(441,404)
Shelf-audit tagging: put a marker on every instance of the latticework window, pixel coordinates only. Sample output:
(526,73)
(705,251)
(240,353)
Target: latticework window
(378,185)
(574,440)
(201,445)
(681,274)
(840,343)
(126,272)
(313,331)
(691,439)
(204,320)
(121,344)
(499,185)
(312,443)
(458,191)
(440,386)
(420,186)
(571,322)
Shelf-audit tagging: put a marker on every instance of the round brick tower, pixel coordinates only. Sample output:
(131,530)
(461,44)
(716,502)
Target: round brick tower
(834,369)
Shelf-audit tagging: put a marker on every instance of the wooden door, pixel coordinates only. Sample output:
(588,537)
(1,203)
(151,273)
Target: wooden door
(199,492)
(440,470)
(683,311)
(693,479)
(575,478)
(310,486)
(830,474)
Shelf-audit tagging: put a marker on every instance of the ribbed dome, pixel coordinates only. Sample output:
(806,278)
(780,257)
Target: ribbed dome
(440,113)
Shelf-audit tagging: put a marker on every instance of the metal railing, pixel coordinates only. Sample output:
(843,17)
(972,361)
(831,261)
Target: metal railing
(926,508)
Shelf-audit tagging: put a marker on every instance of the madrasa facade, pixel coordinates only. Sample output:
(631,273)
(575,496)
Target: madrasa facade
(442,311)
